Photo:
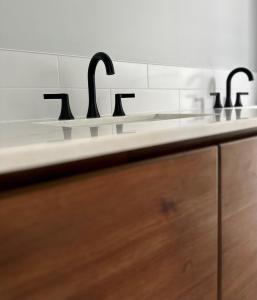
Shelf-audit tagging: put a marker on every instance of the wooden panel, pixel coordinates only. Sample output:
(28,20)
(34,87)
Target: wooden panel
(239,219)
(142,231)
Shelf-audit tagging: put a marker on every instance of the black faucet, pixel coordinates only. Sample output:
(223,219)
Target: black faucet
(118,109)
(92,107)
(66,113)
(228,102)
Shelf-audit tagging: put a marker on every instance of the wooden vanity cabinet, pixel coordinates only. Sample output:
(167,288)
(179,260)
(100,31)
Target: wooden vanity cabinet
(239,219)
(147,230)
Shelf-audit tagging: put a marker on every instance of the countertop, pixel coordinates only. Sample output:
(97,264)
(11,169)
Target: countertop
(33,144)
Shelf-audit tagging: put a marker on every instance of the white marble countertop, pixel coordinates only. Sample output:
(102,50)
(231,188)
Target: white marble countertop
(33,144)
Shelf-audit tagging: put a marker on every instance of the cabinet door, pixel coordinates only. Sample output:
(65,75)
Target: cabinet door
(239,219)
(141,231)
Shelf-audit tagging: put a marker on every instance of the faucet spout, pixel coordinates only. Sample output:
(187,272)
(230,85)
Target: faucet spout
(100,56)
(228,102)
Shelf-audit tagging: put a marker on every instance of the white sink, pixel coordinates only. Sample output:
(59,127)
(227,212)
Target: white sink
(121,120)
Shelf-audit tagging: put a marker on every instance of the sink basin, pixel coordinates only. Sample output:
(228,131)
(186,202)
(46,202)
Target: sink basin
(121,120)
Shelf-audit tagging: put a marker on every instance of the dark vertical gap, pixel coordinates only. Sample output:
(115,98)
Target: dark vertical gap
(219,224)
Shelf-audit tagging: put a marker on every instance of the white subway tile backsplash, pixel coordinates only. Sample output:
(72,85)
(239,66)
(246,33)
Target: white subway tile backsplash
(220,78)
(73,73)
(28,104)
(25,77)
(28,70)
(195,78)
(195,100)
(164,77)
(25,104)
(127,75)
(149,101)
(168,77)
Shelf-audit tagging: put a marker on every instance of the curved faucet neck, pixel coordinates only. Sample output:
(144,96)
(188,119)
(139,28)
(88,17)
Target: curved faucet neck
(100,56)
(228,102)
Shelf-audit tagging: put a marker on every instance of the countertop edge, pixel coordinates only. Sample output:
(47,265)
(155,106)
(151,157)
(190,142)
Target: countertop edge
(25,158)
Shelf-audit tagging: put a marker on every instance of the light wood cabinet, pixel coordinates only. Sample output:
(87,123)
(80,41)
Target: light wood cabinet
(142,231)
(239,220)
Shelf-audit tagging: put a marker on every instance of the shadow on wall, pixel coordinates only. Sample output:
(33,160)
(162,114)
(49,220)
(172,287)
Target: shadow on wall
(199,102)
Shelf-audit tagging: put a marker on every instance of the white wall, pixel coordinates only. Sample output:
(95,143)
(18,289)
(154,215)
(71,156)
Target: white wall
(253,34)
(192,33)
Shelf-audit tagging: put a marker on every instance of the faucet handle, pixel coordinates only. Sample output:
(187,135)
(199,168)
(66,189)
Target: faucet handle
(66,113)
(118,110)
(238,99)
(217,101)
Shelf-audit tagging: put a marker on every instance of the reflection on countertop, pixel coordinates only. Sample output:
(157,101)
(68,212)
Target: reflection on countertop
(38,143)
(13,134)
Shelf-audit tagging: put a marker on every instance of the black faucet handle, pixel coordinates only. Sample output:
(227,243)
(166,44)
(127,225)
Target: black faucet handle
(238,99)
(66,113)
(118,110)
(217,101)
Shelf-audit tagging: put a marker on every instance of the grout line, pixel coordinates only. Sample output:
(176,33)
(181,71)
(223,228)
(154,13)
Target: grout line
(132,61)
(99,88)
(29,88)
(138,88)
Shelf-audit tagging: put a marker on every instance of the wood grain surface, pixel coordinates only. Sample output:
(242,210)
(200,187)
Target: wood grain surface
(239,220)
(144,231)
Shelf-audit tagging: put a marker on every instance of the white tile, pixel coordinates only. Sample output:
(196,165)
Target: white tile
(149,101)
(27,104)
(127,75)
(195,78)
(73,73)
(163,77)
(20,69)
(209,85)
(195,100)
(220,78)
(22,104)
(178,78)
